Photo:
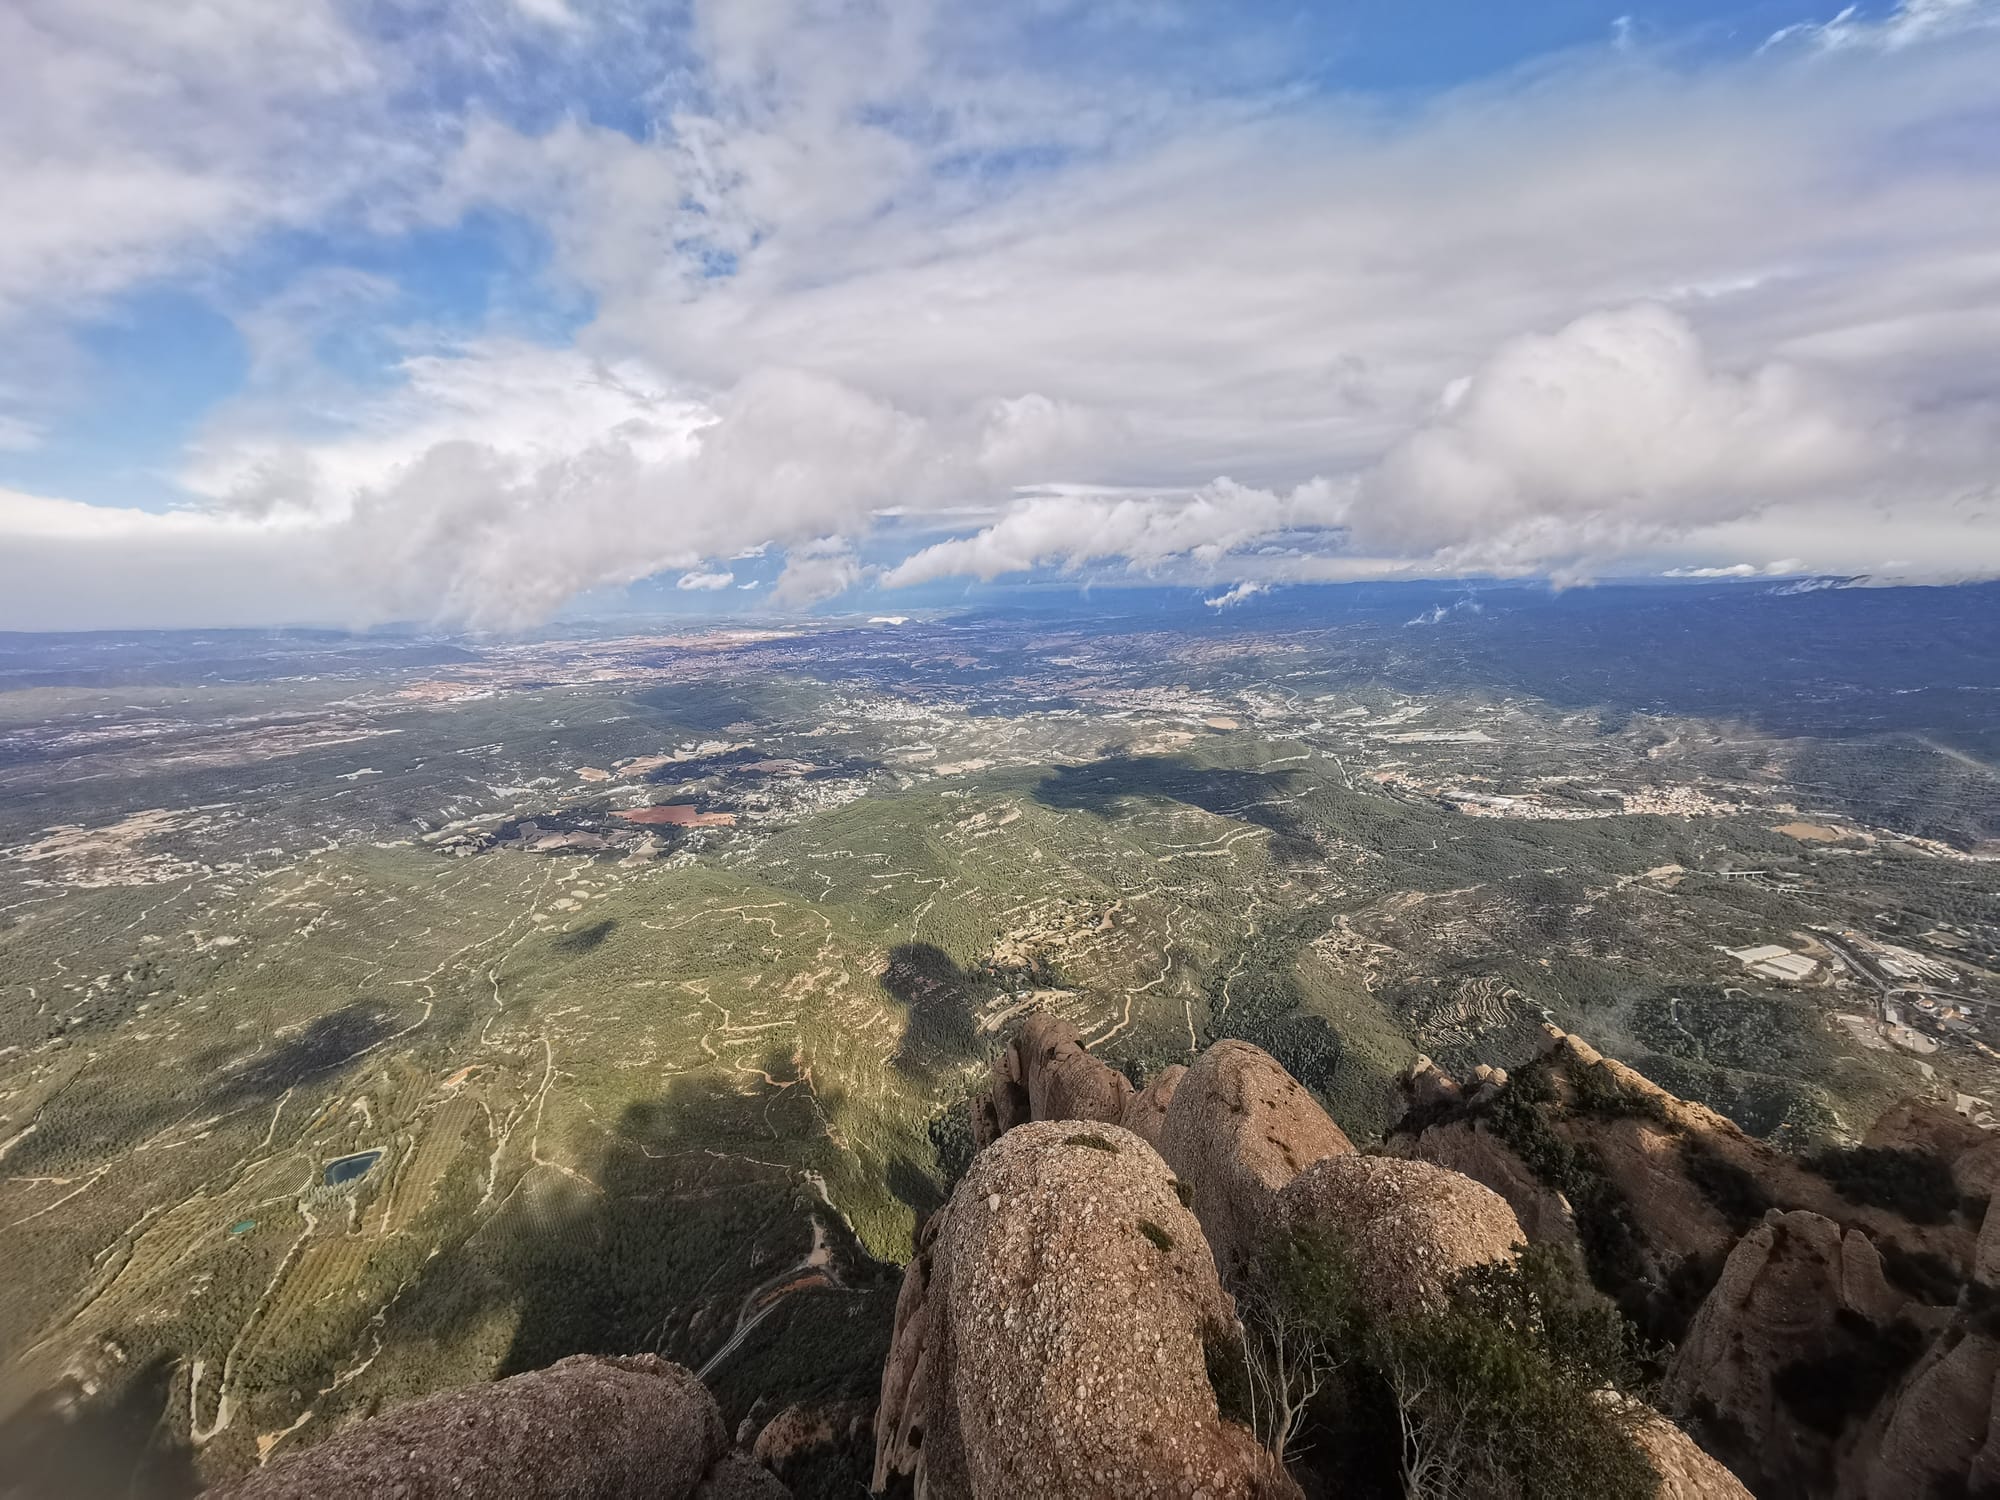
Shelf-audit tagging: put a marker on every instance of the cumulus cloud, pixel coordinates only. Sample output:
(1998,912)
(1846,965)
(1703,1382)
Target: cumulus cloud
(1779,568)
(1147,532)
(1635,308)
(1610,432)
(1231,597)
(821,569)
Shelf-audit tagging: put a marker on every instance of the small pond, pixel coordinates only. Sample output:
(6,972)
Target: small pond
(351,1168)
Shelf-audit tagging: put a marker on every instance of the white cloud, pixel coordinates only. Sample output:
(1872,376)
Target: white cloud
(1612,431)
(1780,568)
(818,570)
(857,262)
(1907,23)
(1231,597)
(1148,532)
(708,582)
(1437,614)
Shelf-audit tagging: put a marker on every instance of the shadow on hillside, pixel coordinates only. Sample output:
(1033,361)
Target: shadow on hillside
(940,1031)
(1263,798)
(688,1222)
(105,1450)
(326,1043)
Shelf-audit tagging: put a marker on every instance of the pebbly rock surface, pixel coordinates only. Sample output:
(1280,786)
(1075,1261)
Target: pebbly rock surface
(1063,1303)
(1410,1227)
(1238,1129)
(902,1405)
(1047,1074)
(1146,1111)
(812,1438)
(587,1428)
(1686,1473)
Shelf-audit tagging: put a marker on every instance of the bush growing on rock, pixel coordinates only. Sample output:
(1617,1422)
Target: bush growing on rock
(1498,1392)
(1915,1184)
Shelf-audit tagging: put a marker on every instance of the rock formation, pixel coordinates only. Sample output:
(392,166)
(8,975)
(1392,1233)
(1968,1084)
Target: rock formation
(1410,1227)
(1667,1186)
(1238,1129)
(815,1438)
(1059,1327)
(1791,1350)
(1063,1307)
(1470,1146)
(1937,1435)
(1146,1111)
(1046,1074)
(1686,1473)
(584,1429)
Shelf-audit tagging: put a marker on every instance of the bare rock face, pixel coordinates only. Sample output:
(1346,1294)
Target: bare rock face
(1427,1087)
(1938,1435)
(1046,1074)
(1238,1129)
(1066,1299)
(1792,1349)
(1146,1111)
(1686,1473)
(815,1437)
(1672,1182)
(1410,1227)
(738,1477)
(901,1409)
(587,1428)
(1917,1125)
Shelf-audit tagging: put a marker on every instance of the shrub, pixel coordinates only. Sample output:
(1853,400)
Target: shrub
(1501,1392)
(1595,1090)
(1926,1276)
(1733,1192)
(1915,1184)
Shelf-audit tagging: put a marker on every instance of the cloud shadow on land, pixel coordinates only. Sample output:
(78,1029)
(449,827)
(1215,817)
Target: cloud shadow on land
(327,1042)
(1255,797)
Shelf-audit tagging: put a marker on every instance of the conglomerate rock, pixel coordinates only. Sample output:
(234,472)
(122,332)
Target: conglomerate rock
(1146,1111)
(1409,1226)
(1067,1300)
(1470,1147)
(1047,1074)
(815,1437)
(587,1428)
(1937,1435)
(1238,1129)
(1686,1473)
(1773,1356)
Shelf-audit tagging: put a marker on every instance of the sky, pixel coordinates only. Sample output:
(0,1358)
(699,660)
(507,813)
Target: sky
(471,312)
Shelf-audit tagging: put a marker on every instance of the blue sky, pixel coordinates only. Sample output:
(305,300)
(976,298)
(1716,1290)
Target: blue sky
(359,310)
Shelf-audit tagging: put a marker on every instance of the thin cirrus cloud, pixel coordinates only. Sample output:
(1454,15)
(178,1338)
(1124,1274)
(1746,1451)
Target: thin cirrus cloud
(1635,307)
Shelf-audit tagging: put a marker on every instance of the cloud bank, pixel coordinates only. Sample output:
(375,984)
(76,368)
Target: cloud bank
(866,276)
